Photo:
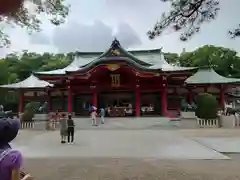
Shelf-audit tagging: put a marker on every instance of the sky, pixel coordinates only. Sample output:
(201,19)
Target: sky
(93,24)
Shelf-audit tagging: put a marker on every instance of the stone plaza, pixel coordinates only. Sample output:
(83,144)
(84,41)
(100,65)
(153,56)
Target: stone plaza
(151,147)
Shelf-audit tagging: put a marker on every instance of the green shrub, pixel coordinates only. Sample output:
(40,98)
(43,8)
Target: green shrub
(207,106)
(30,109)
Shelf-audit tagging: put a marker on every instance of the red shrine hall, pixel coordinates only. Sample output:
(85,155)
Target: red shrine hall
(125,83)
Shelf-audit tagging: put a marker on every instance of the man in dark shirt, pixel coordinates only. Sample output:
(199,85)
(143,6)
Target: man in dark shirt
(71,126)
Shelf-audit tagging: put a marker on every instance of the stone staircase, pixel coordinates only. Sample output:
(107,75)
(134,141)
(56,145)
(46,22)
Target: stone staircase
(173,113)
(40,117)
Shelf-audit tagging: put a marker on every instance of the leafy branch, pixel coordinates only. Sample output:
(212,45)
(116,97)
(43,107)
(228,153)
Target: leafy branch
(186,16)
(27,15)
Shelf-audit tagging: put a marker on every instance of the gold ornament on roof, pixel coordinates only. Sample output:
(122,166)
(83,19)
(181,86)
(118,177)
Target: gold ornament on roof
(115,52)
(113,67)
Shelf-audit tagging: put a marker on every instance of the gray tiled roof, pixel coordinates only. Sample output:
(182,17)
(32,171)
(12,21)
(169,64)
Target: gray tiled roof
(31,82)
(209,76)
(155,60)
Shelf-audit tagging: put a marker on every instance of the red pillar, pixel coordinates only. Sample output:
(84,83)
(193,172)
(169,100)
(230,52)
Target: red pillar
(63,100)
(35,95)
(222,98)
(164,99)
(95,98)
(21,102)
(190,96)
(49,100)
(205,89)
(138,102)
(69,99)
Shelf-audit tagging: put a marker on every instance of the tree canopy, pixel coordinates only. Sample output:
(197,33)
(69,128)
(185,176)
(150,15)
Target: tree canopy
(187,16)
(224,61)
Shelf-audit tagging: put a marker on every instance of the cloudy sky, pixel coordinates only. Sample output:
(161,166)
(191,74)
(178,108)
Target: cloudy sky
(93,24)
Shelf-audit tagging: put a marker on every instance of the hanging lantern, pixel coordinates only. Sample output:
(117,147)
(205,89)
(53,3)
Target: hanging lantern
(10,7)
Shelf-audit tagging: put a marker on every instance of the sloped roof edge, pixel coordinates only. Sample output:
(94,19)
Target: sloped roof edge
(29,83)
(209,76)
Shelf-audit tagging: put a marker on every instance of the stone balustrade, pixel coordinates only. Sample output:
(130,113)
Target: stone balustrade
(27,125)
(208,123)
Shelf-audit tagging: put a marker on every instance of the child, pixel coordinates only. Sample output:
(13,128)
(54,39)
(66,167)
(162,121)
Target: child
(93,110)
(102,115)
(94,117)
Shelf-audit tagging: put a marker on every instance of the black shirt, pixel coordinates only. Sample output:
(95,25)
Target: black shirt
(70,123)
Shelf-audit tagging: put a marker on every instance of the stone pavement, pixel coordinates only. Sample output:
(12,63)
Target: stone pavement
(125,149)
(229,145)
(163,144)
(128,137)
(131,169)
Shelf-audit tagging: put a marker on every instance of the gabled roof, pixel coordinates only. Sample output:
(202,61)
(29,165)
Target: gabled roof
(209,76)
(116,50)
(32,82)
(146,60)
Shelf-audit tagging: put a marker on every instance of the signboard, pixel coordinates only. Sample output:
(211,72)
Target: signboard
(115,80)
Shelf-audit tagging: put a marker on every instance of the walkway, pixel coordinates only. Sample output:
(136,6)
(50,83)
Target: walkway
(131,149)
(118,137)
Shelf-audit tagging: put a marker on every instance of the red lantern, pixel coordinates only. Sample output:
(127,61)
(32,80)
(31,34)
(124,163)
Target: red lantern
(9,7)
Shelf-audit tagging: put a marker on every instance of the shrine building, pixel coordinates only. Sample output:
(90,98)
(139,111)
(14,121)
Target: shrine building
(126,83)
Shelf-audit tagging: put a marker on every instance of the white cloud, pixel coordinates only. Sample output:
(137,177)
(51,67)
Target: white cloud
(40,38)
(84,31)
(95,37)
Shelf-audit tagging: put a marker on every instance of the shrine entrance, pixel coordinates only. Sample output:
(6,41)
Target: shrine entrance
(118,104)
(82,102)
(150,104)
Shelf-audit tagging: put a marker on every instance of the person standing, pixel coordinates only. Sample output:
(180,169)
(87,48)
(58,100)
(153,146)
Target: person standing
(10,159)
(94,115)
(102,115)
(63,128)
(71,128)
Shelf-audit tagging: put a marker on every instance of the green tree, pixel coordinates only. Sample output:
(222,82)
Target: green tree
(18,67)
(225,61)
(3,71)
(207,106)
(187,16)
(172,58)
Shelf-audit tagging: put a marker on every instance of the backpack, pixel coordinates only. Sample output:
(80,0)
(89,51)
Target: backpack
(4,154)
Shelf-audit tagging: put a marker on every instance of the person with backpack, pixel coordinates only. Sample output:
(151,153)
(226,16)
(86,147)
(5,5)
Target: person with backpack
(10,159)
